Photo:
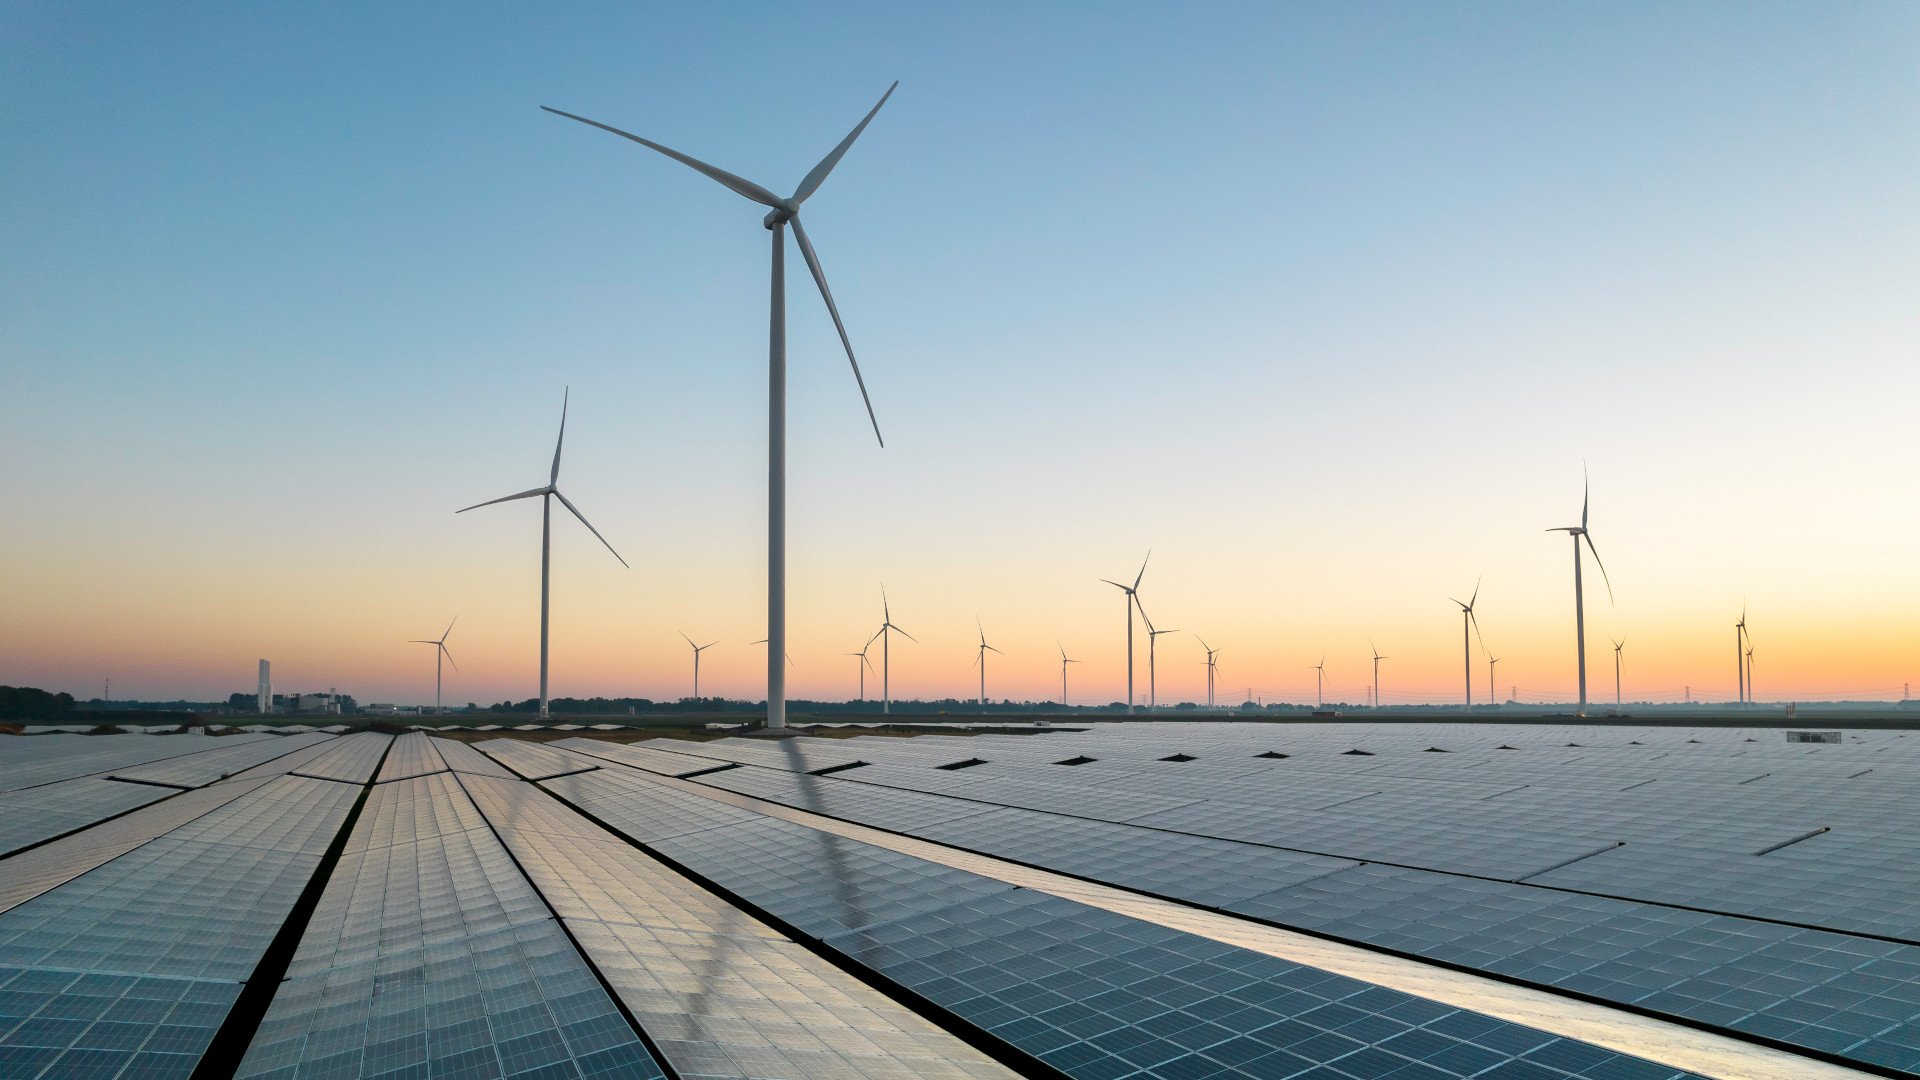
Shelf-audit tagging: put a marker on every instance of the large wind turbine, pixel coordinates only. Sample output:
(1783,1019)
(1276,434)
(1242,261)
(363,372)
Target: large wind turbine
(1132,597)
(1739,655)
(547,495)
(1579,532)
(980,661)
(1213,655)
(697,650)
(1617,646)
(781,213)
(439,653)
(1468,619)
(1064,661)
(1153,639)
(886,654)
(1376,672)
(1319,682)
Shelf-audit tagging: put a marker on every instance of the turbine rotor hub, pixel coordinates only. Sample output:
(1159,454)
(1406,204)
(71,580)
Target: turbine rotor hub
(781,214)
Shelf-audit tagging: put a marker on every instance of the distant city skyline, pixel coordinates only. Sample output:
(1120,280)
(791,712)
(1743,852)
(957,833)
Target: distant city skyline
(1327,307)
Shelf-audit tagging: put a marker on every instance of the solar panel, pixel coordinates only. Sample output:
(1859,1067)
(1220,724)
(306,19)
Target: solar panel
(535,762)
(198,770)
(350,759)
(412,754)
(39,814)
(44,759)
(463,758)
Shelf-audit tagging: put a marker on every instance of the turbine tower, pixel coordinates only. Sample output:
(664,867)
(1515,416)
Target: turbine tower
(1376,672)
(781,214)
(697,650)
(1212,666)
(886,654)
(547,495)
(1064,661)
(980,661)
(1153,639)
(1751,700)
(1739,654)
(1470,621)
(1579,532)
(865,665)
(1617,646)
(439,653)
(1132,597)
(1319,682)
(1491,684)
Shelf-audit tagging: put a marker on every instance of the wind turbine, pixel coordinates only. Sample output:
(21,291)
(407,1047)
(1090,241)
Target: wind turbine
(1750,697)
(980,661)
(1319,682)
(1376,672)
(886,654)
(781,213)
(439,653)
(1133,597)
(1492,693)
(864,665)
(697,650)
(1468,619)
(1153,639)
(1212,666)
(1617,646)
(1578,532)
(1739,657)
(547,495)
(1064,661)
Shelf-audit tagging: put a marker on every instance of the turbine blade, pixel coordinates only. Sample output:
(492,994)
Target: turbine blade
(819,174)
(417,641)
(554,476)
(1476,593)
(820,279)
(449,630)
(589,525)
(1601,565)
(1116,585)
(449,656)
(992,649)
(1143,570)
(906,635)
(738,185)
(688,640)
(528,494)
(1475,620)
(1586,490)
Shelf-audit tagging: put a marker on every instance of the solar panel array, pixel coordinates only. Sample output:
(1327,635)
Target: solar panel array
(581,908)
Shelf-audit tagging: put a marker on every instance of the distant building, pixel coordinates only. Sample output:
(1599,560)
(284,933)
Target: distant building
(264,700)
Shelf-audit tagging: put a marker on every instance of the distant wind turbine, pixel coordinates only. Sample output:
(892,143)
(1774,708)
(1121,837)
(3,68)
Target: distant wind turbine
(865,664)
(439,653)
(1213,656)
(1153,639)
(1491,684)
(1133,596)
(1579,532)
(781,213)
(547,495)
(697,650)
(980,661)
(1617,646)
(1751,699)
(886,653)
(1064,661)
(1319,682)
(1469,620)
(1376,672)
(1739,654)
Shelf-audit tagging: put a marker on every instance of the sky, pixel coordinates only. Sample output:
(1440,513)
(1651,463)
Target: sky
(1326,305)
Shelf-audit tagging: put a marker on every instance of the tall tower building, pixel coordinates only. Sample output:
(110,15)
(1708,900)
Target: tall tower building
(265,699)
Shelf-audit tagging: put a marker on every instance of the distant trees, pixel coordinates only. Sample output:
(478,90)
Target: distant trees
(30,703)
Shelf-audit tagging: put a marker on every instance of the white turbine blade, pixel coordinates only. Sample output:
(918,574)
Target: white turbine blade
(448,654)
(819,174)
(738,185)
(449,630)
(589,525)
(554,476)
(1117,585)
(1601,565)
(1476,594)
(505,498)
(1143,570)
(820,279)
(976,659)
(708,645)
(992,649)
(417,641)
(1586,490)
(688,640)
(904,634)
(1475,620)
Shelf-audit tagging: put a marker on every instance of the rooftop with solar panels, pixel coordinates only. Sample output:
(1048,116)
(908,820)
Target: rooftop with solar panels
(1325,901)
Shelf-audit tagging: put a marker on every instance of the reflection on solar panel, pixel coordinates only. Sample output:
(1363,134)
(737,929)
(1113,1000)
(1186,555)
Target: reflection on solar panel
(349,759)
(720,993)
(533,761)
(413,754)
(129,969)
(37,815)
(463,758)
(430,954)
(31,873)
(43,759)
(198,770)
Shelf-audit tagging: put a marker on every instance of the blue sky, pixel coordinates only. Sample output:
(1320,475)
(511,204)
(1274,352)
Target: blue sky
(1327,303)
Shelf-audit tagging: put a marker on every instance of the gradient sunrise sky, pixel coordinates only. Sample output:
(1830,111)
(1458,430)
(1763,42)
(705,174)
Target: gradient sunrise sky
(1326,304)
